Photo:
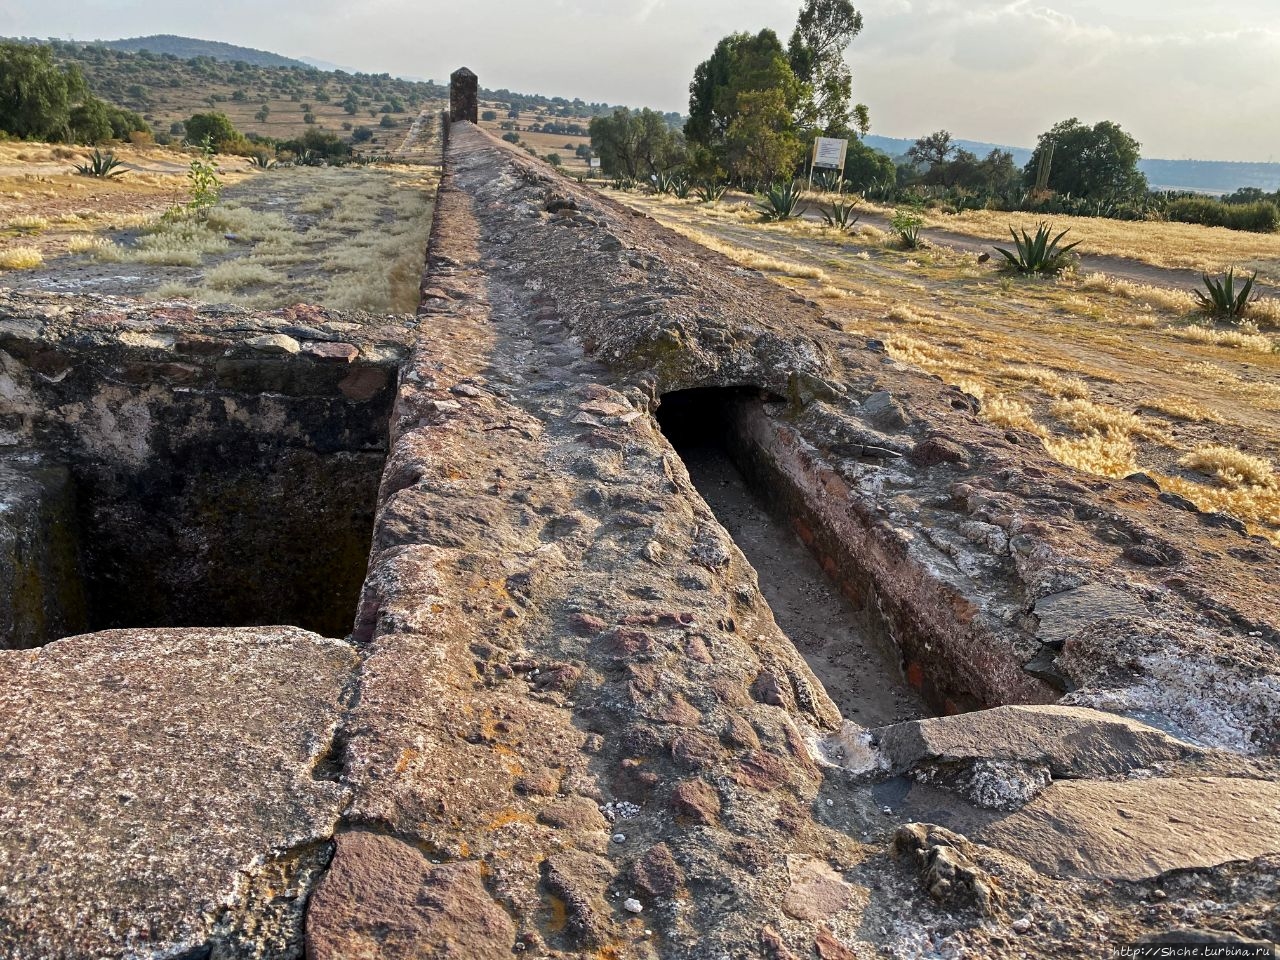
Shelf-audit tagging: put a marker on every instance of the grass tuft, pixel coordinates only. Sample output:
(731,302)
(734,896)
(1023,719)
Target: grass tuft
(20,258)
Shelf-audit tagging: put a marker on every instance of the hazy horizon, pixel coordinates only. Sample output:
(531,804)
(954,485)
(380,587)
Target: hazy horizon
(1001,72)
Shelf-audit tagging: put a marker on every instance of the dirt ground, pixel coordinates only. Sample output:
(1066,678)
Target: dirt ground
(1114,376)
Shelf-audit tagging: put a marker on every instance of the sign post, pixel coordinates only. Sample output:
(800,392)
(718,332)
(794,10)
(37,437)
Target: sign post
(828,153)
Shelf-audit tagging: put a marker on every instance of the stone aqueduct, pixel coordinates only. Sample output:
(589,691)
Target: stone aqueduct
(550,712)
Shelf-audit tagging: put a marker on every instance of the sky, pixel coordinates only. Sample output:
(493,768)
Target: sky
(1183,78)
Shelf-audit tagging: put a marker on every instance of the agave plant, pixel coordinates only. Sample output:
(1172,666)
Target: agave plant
(841,216)
(1039,254)
(104,166)
(710,191)
(264,162)
(1222,298)
(782,201)
(828,181)
(681,186)
(663,182)
(906,224)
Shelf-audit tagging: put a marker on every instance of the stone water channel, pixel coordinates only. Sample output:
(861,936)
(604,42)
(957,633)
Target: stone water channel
(844,646)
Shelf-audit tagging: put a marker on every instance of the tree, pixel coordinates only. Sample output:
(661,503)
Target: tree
(823,32)
(214,127)
(489,115)
(741,65)
(865,166)
(635,143)
(1098,162)
(36,95)
(761,143)
(934,149)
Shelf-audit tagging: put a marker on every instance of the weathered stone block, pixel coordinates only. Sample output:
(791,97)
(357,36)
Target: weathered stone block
(166,792)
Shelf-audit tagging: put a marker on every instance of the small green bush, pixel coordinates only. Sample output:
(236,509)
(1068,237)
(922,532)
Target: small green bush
(1262,216)
(906,224)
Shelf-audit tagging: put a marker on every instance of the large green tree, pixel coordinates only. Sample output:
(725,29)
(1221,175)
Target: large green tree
(823,32)
(1098,162)
(761,143)
(741,65)
(36,95)
(635,143)
(217,128)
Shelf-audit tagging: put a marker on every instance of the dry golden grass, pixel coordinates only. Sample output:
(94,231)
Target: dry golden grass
(752,260)
(1086,416)
(1109,374)
(1231,467)
(364,249)
(1185,246)
(28,223)
(1106,454)
(1255,504)
(1010,413)
(1247,339)
(238,274)
(20,258)
(1182,408)
(1053,384)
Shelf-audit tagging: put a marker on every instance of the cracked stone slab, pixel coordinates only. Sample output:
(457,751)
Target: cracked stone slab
(165,792)
(1064,614)
(1070,741)
(1137,829)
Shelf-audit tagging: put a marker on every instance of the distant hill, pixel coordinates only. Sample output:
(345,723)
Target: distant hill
(1202,176)
(188,48)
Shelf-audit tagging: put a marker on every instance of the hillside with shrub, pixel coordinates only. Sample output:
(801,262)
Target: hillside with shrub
(188,48)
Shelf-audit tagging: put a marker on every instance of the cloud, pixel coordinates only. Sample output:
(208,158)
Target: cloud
(1005,71)
(1001,70)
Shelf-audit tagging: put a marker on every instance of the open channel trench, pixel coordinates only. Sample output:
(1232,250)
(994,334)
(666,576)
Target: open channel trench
(856,663)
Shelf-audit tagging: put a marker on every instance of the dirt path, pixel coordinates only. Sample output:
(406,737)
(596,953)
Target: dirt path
(864,681)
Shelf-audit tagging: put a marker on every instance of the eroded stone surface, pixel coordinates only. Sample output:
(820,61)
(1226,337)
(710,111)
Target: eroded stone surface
(1068,741)
(1139,829)
(166,792)
(383,900)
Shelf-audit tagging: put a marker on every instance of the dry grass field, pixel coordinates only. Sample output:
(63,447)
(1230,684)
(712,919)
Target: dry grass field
(1113,376)
(1174,245)
(347,237)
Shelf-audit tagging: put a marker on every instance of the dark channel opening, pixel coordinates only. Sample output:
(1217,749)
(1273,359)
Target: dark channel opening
(248,502)
(833,626)
(228,535)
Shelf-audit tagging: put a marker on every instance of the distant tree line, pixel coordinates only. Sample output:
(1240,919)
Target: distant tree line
(755,108)
(1075,169)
